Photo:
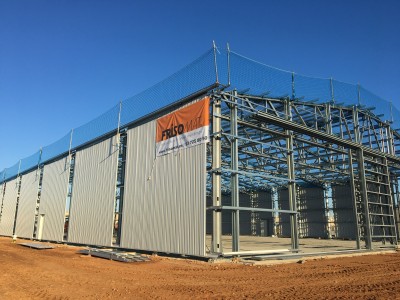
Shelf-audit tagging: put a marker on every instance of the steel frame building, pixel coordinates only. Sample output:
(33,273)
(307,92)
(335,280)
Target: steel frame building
(311,168)
(261,143)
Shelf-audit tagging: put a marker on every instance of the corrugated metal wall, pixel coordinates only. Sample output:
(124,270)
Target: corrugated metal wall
(245,200)
(164,200)
(312,217)
(256,199)
(53,198)
(93,194)
(266,219)
(343,212)
(226,215)
(9,205)
(284,219)
(27,204)
(311,207)
(209,221)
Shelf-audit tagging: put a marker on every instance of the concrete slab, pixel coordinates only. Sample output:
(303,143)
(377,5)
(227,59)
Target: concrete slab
(310,257)
(307,245)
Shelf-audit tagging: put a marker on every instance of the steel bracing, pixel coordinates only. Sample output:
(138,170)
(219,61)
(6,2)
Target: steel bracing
(264,144)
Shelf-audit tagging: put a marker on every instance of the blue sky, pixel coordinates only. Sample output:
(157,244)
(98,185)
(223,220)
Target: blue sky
(62,63)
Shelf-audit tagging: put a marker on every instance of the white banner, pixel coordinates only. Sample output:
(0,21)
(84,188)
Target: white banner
(184,140)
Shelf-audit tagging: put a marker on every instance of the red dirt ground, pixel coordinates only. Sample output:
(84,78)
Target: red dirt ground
(61,273)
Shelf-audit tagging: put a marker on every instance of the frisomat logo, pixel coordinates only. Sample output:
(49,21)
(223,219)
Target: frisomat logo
(173,131)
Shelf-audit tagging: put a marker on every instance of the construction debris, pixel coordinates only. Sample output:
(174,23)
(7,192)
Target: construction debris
(37,246)
(115,255)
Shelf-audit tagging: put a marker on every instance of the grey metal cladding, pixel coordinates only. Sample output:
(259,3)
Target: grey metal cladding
(27,204)
(53,198)
(343,214)
(311,207)
(93,194)
(9,205)
(164,200)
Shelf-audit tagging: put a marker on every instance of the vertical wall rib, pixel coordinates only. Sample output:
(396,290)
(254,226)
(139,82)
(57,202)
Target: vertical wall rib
(164,200)
(9,205)
(27,205)
(93,194)
(53,197)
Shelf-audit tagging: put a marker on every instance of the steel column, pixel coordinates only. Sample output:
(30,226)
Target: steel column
(396,204)
(3,191)
(356,125)
(234,174)
(292,185)
(274,196)
(391,202)
(389,135)
(327,191)
(18,184)
(216,176)
(354,198)
(364,199)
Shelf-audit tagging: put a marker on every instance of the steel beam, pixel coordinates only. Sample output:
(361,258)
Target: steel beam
(289,125)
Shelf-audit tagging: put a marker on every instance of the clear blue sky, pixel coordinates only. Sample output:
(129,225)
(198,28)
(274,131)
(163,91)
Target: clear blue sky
(63,63)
